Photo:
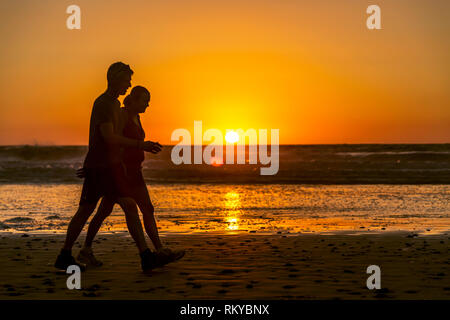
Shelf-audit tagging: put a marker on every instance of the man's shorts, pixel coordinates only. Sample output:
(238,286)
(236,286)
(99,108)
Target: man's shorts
(108,182)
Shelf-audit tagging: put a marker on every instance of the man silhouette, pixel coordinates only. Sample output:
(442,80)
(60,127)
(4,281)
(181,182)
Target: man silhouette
(104,172)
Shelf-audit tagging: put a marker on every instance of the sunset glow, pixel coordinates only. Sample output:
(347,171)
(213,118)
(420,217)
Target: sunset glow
(311,69)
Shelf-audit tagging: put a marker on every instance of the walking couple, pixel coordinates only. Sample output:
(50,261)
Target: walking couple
(112,172)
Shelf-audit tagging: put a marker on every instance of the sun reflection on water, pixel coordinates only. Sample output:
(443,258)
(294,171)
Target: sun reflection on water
(232,209)
(232,204)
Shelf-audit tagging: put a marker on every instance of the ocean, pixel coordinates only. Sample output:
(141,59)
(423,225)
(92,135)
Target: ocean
(298,164)
(318,189)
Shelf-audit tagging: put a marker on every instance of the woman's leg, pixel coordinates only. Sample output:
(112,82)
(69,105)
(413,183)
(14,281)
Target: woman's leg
(142,199)
(133,222)
(86,254)
(144,203)
(122,188)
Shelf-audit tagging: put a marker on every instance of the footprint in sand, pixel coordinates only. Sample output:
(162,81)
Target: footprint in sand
(289,286)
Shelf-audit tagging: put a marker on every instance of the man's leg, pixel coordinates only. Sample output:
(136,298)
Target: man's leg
(104,210)
(77,223)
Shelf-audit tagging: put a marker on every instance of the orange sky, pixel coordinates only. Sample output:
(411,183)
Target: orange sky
(309,68)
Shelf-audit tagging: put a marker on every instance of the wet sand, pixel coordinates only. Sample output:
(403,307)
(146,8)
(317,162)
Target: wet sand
(248,266)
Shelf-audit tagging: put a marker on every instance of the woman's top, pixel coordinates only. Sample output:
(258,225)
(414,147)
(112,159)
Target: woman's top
(132,156)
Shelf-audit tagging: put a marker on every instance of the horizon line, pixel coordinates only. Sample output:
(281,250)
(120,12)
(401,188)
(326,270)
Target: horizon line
(224,145)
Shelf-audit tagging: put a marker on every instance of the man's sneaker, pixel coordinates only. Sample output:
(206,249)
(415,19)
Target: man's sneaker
(65,259)
(170,255)
(148,260)
(151,260)
(87,257)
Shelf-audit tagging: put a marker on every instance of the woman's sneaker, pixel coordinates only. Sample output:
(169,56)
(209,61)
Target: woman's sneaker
(87,257)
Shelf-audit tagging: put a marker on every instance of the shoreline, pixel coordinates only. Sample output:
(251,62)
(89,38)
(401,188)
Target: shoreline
(246,266)
(168,234)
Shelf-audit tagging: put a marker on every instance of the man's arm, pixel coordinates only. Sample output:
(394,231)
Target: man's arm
(110,137)
(156,144)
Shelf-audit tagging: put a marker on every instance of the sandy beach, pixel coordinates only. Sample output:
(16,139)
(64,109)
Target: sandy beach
(242,266)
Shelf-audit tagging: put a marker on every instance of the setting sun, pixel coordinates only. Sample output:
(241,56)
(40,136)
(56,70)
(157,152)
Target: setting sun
(232,137)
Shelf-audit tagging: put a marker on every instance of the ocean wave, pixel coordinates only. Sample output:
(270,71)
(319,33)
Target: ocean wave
(19,220)
(10,153)
(53,217)
(365,154)
(4,226)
